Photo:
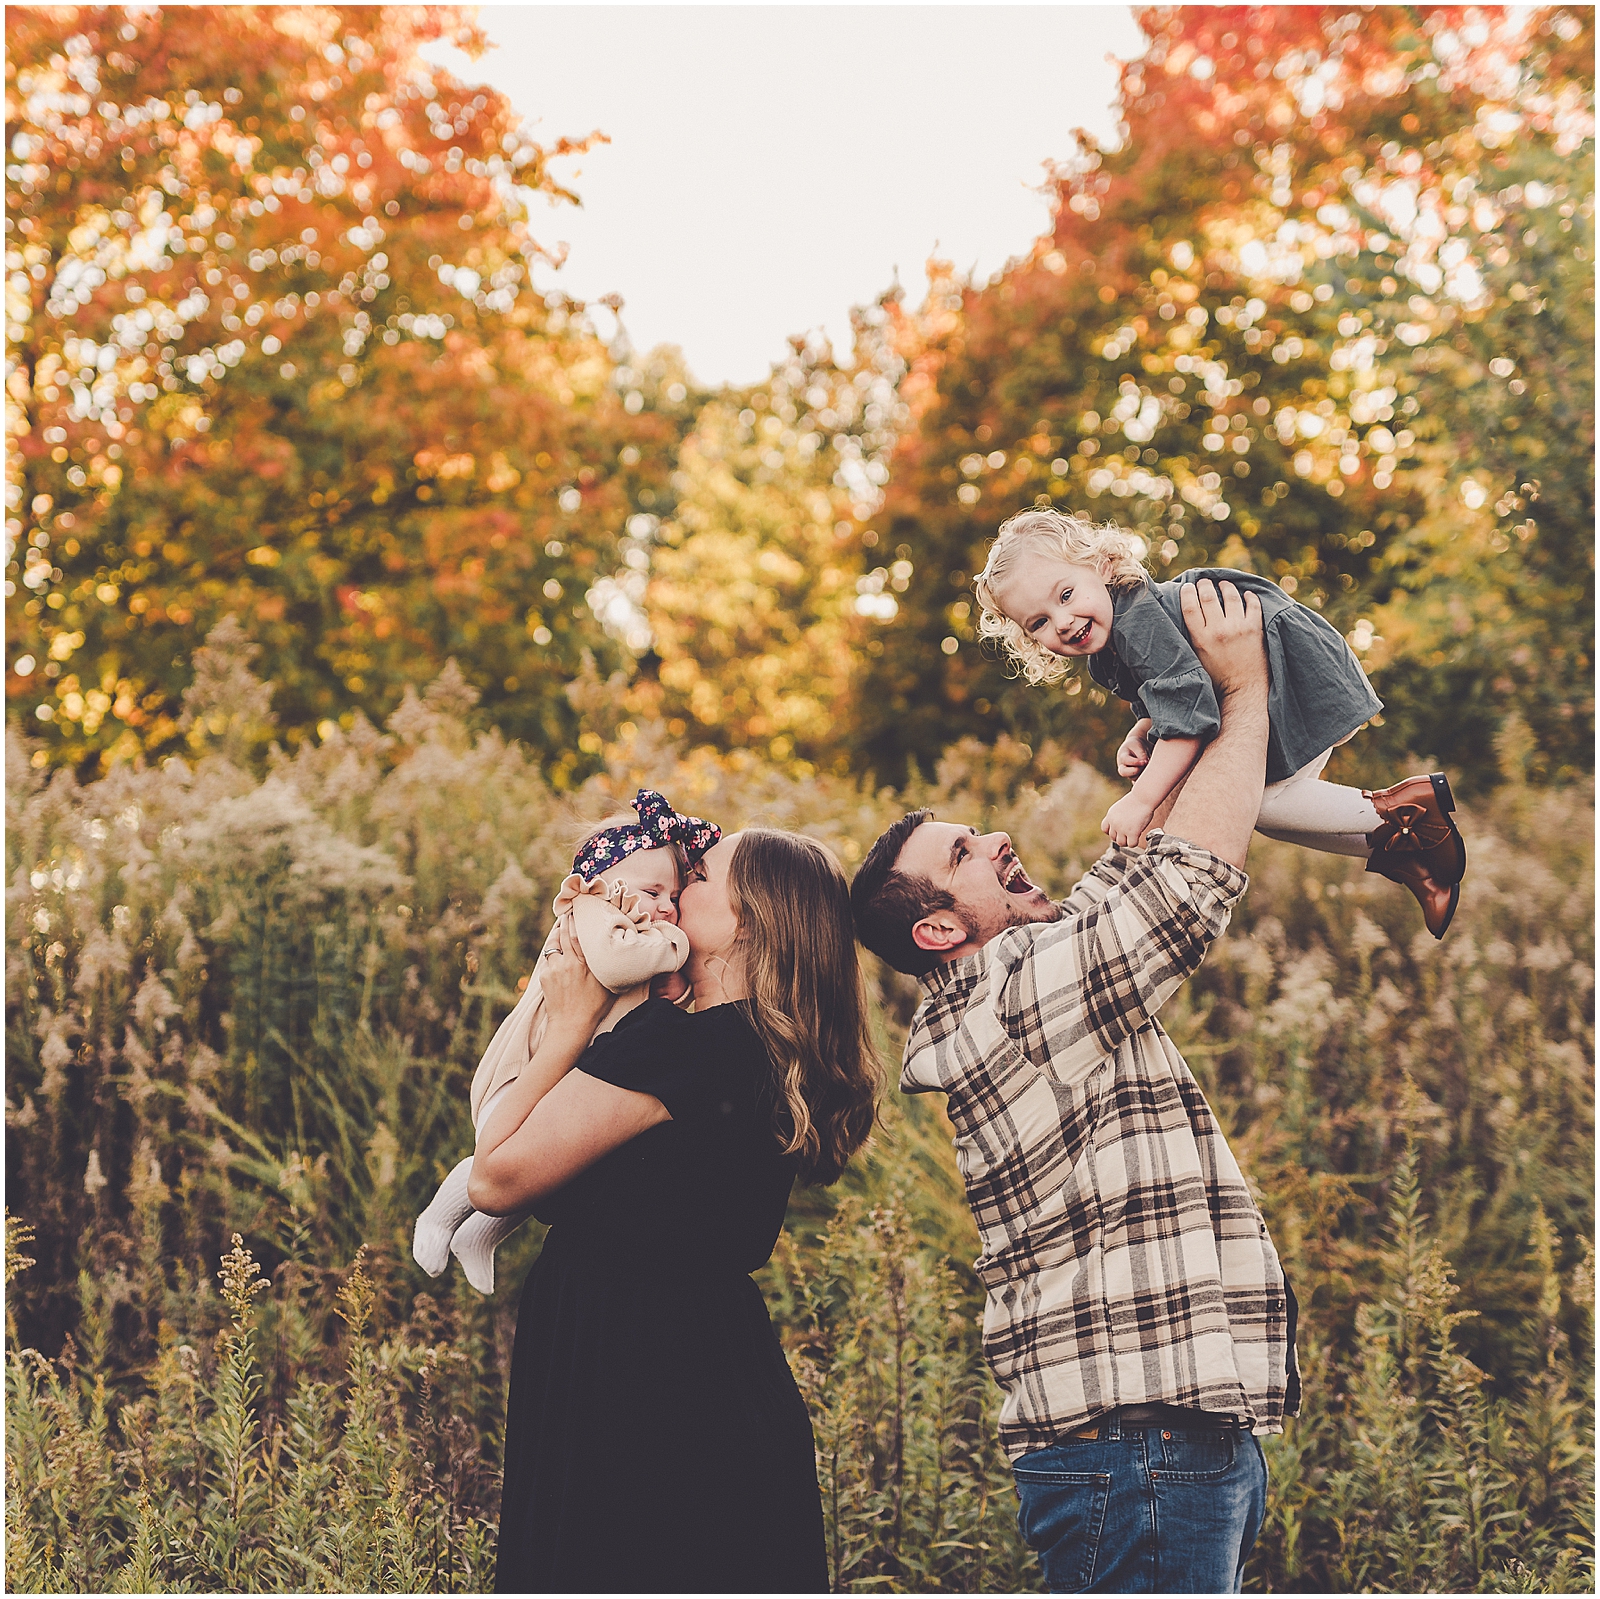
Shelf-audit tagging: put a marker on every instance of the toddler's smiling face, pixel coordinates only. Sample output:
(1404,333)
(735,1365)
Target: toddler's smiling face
(652,874)
(1063,608)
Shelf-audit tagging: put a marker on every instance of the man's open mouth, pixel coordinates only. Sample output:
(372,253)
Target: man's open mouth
(1015,881)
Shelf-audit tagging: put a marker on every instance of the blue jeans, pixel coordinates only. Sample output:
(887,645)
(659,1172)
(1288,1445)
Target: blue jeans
(1144,1509)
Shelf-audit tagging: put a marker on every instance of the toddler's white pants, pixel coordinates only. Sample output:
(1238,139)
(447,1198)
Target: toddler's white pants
(1316,815)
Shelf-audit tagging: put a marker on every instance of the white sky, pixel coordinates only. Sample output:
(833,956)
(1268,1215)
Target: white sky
(770,166)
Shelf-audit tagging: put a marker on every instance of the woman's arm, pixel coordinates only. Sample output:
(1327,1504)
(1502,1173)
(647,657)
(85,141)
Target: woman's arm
(1170,762)
(572,1126)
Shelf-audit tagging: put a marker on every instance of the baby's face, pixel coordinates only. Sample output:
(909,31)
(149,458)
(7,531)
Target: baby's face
(652,874)
(1063,608)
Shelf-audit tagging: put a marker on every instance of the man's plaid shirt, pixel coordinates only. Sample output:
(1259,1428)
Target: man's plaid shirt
(1124,1259)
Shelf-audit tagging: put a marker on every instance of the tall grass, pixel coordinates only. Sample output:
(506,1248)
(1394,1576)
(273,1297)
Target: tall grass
(250,1005)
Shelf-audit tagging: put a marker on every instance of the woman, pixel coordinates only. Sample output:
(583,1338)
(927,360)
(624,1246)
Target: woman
(655,1439)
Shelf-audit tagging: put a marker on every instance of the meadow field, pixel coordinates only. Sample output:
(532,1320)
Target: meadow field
(246,1011)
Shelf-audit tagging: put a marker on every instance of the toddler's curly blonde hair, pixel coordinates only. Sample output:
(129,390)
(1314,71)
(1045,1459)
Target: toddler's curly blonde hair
(1110,550)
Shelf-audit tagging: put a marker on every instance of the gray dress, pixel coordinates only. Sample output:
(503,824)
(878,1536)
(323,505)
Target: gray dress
(1317,692)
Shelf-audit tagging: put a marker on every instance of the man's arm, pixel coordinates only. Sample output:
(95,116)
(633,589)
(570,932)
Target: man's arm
(1220,800)
(1070,992)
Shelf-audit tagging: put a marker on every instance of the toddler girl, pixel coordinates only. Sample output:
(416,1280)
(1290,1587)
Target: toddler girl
(619,904)
(1056,587)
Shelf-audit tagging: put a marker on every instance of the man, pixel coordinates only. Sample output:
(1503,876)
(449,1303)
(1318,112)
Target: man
(1137,1319)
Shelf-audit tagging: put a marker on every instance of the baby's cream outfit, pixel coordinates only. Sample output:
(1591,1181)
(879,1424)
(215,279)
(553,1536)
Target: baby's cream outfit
(625,947)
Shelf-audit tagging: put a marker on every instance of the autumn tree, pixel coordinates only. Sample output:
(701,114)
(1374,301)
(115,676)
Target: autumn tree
(758,595)
(1326,314)
(274,353)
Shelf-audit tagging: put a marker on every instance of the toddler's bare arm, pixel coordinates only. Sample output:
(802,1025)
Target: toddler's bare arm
(1170,762)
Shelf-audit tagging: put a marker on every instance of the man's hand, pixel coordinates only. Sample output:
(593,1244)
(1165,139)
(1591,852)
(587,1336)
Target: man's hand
(1134,754)
(1225,630)
(1221,797)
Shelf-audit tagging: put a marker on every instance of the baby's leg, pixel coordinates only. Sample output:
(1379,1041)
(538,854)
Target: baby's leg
(476,1241)
(1316,815)
(430,1241)
(479,1234)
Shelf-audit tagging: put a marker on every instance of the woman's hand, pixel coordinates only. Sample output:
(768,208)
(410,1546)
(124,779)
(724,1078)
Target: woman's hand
(575,1000)
(1134,754)
(670,986)
(1128,820)
(575,997)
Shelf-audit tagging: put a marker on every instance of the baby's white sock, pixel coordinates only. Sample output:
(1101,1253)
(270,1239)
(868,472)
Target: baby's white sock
(430,1241)
(475,1242)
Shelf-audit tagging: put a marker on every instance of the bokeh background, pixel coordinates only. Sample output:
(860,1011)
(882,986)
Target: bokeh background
(351,561)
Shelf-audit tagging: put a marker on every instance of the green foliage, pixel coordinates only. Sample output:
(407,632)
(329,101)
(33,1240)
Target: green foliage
(242,1005)
(916,1493)
(355,1484)
(755,601)
(275,354)
(1325,312)
(1423,1481)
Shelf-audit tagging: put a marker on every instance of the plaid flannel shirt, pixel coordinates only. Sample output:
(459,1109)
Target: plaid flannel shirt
(1124,1259)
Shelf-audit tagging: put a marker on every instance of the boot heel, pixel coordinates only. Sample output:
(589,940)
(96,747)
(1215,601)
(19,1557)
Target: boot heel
(1441,791)
(1450,914)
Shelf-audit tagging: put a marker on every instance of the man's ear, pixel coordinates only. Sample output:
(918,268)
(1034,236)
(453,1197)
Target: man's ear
(938,933)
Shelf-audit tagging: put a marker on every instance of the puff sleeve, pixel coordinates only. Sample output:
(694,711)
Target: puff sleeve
(622,945)
(1175,690)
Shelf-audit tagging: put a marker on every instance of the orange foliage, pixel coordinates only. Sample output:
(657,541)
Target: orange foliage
(278,356)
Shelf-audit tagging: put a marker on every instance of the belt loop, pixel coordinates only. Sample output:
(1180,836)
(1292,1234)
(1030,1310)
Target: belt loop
(1111,1427)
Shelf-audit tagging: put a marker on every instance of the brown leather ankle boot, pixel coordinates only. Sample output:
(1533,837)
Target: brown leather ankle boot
(1438,900)
(1419,846)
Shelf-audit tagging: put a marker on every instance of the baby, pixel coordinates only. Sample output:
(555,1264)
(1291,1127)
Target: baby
(620,904)
(1056,587)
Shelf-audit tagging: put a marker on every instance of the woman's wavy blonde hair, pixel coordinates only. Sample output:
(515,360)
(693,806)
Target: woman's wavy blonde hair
(1111,550)
(808,1001)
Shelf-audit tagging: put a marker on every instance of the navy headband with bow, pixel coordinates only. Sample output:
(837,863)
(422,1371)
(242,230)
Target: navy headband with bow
(658,826)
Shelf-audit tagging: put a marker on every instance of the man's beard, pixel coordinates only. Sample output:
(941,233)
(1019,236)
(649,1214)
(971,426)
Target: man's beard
(1015,915)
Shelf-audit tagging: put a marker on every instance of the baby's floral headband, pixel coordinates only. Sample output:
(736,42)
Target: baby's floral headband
(658,825)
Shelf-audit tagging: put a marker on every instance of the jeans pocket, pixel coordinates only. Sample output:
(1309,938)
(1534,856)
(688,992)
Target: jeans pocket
(1199,1456)
(1061,1517)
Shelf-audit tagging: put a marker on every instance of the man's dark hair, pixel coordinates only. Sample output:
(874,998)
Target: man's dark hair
(887,904)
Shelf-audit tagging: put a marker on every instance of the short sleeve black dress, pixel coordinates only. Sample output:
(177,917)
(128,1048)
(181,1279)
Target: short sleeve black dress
(655,1439)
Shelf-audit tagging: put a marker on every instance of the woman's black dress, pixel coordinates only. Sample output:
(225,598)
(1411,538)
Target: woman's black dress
(655,1439)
